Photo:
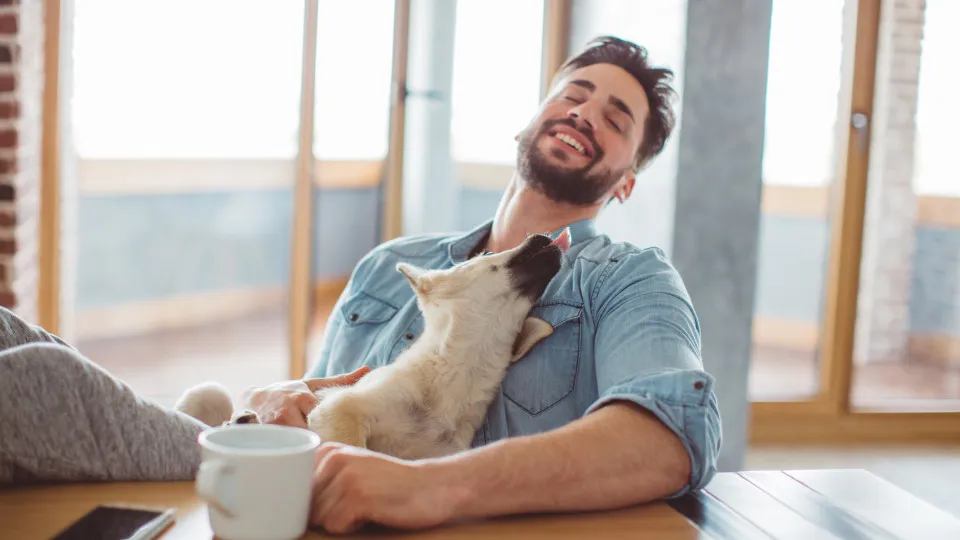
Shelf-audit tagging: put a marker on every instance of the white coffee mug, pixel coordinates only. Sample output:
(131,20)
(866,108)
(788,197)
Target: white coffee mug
(256,480)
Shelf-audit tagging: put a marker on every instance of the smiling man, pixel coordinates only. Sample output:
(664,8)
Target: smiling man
(614,408)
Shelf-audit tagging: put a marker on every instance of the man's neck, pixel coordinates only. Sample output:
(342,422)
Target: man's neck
(524,211)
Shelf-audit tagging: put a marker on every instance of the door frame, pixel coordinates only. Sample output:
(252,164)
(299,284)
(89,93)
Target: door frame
(391,211)
(829,417)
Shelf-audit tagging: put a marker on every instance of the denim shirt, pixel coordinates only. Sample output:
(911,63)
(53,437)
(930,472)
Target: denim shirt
(624,329)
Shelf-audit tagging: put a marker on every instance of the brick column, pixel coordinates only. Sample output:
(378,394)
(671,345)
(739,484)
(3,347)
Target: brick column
(21,97)
(883,317)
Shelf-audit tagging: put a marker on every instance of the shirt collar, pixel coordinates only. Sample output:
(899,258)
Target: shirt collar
(461,248)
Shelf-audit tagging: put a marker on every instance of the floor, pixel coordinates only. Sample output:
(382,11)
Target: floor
(246,352)
(787,375)
(161,366)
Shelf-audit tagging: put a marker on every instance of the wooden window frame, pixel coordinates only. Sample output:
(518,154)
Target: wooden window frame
(829,417)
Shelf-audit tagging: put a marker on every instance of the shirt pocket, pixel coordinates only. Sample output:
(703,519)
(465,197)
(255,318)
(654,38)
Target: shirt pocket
(548,372)
(362,318)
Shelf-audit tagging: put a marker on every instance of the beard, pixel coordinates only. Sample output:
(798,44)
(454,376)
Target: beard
(582,186)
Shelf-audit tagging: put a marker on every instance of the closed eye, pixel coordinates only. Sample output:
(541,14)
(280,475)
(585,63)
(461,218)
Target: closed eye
(615,125)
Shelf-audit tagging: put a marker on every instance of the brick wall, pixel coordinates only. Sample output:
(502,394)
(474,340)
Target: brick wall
(21,95)
(883,319)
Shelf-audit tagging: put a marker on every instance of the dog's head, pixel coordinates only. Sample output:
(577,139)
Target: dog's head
(490,289)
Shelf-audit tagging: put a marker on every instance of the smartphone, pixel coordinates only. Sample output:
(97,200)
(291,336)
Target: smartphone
(119,523)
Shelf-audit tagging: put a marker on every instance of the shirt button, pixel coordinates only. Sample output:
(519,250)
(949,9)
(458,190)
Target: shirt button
(698,385)
(354,317)
(409,335)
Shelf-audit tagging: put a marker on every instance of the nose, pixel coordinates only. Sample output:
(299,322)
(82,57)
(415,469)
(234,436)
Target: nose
(584,113)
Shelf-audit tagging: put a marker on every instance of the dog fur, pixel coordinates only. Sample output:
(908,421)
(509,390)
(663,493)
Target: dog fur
(431,400)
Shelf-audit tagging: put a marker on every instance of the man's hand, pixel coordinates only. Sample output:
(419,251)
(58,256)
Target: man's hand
(288,403)
(354,486)
(616,456)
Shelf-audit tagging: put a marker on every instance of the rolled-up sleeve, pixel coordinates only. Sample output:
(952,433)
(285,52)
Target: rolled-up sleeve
(647,351)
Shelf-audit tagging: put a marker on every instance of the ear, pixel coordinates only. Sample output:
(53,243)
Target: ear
(625,188)
(415,275)
(531,333)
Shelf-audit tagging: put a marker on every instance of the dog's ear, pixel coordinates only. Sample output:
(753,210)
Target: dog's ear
(533,331)
(416,276)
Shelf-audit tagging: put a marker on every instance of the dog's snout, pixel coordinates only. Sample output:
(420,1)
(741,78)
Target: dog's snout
(540,240)
(535,265)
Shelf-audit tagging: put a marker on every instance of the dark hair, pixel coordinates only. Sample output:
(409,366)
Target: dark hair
(654,80)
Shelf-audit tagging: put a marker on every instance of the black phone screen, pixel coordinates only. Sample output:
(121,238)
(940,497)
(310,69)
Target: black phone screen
(108,523)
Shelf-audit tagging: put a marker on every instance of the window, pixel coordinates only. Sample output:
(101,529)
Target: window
(354,66)
(803,85)
(496,78)
(938,110)
(182,79)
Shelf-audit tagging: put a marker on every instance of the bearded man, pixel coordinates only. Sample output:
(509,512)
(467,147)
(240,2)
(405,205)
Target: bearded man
(613,408)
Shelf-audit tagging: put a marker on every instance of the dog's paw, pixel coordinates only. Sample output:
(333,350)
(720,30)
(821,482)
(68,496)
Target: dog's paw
(245,416)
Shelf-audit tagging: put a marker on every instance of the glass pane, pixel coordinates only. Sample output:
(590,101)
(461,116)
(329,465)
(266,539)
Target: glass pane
(489,107)
(221,82)
(907,354)
(798,172)
(185,122)
(352,119)
(353,79)
(512,89)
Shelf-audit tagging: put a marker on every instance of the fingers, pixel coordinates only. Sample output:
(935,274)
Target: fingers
(328,465)
(340,380)
(289,414)
(330,492)
(251,398)
(335,514)
(305,401)
(325,505)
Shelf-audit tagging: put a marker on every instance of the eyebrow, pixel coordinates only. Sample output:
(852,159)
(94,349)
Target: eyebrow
(615,101)
(584,83)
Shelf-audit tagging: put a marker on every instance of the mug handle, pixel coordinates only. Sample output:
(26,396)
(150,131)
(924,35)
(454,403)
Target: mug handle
(210,481)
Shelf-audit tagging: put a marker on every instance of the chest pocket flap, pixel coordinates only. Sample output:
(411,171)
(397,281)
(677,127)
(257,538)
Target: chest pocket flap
(365,309)
(548,372)
(362,319)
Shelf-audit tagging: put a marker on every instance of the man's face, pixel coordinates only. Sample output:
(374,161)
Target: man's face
(581,146)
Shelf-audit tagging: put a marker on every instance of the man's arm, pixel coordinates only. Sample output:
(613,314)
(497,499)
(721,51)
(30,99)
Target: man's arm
(653,432)
(617,456)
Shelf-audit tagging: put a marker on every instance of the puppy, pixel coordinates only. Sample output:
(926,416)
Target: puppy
(431,400)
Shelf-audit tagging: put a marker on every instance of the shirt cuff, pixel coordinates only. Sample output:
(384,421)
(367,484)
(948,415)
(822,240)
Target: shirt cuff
(685,402)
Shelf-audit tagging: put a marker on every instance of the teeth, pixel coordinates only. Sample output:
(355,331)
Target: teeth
(571,141)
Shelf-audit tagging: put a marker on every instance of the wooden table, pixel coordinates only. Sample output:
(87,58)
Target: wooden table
(807,505)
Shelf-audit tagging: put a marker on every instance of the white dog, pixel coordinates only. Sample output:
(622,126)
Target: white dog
(433,398)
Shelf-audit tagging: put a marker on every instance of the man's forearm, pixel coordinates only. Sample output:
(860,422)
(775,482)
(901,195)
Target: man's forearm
(616,456)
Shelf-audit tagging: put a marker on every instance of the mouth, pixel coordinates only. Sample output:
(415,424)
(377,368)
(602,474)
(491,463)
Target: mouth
(537,262)
(572,141)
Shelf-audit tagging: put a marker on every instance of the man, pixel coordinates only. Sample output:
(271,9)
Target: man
(613,409)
